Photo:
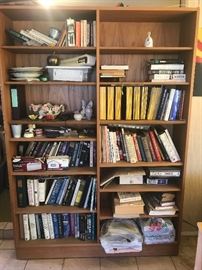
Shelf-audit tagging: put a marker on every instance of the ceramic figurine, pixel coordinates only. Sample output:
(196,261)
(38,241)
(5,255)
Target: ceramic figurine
(148,41)
(89,110)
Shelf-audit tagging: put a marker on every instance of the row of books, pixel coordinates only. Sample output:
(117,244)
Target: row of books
(32,37)
(121,144)
(166,70)
(140,103)
(78,33)
(69,191)
(62,225)
(81,154)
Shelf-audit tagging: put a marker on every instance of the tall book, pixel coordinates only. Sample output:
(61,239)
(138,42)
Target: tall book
(103,102)
(129,99)
(18,108)
(110,103)
(136,102)
(118,94)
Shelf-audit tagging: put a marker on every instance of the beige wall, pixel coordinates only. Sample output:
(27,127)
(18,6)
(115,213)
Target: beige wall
(193,185)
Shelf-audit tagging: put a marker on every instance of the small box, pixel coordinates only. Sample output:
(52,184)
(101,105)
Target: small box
(68,73)
(28,164)
(57,162)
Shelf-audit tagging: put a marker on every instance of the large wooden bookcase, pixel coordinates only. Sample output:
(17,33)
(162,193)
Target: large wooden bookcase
(120,35)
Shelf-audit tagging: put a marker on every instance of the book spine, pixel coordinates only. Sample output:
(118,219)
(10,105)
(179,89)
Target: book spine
(50,226)
(66,225)
(26,227)
(30,192)
(22,191)
(55,225)
(45,225)
(32,225)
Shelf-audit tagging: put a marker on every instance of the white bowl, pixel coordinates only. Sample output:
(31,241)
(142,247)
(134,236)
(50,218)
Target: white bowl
(77,116)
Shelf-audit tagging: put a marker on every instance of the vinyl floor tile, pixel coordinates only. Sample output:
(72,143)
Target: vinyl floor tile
(119,263)
(155,263)
(8,261)
(7,244)
(51,264)
(82,264)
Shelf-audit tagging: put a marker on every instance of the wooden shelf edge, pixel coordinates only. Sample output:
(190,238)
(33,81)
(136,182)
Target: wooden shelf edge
(50,83)
(70,171)
(43,139)
(142,122)
(52,209)
(140,164)
(140,188)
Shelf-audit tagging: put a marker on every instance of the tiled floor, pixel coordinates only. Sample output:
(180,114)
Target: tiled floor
(185,260)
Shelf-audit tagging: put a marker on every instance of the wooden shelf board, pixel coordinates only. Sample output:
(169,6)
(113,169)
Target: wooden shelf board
(49,83)
(45,139)
(54,122)
(52,209)
(144,83)
(140,188)
(142,122)
(54,243)
(140,164)
(143,50)
(70,171)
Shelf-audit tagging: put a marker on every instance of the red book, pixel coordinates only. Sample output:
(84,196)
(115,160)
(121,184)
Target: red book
(137,149)
(155,145)
(78,34)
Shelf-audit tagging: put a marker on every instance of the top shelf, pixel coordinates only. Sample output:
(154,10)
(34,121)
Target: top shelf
(37,12)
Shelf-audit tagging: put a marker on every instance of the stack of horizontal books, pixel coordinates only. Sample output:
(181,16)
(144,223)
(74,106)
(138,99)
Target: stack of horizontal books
(166,70)
(160,204)
(128,205)
(114,72)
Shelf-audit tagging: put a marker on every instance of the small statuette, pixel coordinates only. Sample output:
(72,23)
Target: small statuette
(148,41)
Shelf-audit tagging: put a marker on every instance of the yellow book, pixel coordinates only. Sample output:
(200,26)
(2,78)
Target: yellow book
(144,98)
(118,95)
(136,102)
(154,102)
(129,102)
(110,103)
(103,102)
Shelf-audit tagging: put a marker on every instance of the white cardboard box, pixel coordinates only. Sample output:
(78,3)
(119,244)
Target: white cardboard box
(68,73)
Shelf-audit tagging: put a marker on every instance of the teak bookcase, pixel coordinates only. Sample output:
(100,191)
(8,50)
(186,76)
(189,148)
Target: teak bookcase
(120,35)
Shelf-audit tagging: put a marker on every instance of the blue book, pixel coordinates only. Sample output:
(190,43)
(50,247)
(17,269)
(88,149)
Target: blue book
(55,225)
(66,225)
(55,191)
(62,191)
(175,105)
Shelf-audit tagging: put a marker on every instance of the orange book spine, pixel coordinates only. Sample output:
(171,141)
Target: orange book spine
(78,34)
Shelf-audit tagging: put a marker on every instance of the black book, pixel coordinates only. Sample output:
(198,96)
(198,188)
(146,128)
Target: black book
(71,188)
(78,156)
(141,147)
(22,191)
(73,158)
(82,227)
(123,103)
(37,149)
(42,149)
(18,107)
(60,225)
(17,36)
(41,226)
(83,161)
(163,150)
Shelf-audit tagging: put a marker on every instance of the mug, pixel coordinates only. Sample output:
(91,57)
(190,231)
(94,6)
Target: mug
(16,130)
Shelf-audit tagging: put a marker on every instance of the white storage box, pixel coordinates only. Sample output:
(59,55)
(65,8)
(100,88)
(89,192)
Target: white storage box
(68,73)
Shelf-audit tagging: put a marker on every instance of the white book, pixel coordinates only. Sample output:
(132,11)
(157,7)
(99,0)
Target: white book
(36,192)
(169,104)
(42,184)
(171,142)
(71,32)
(27,34)
(48,40)
(75,192)
(50,226)
(93,194)
(131,148)
(129,196)
(53,149)
(32,225)
(45,225)
(30,192)
(167,66)
(119,67)
(50,191)
(26,227)
(169,148)
(91,158)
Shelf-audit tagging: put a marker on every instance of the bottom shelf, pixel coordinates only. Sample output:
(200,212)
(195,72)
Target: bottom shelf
(40,249)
